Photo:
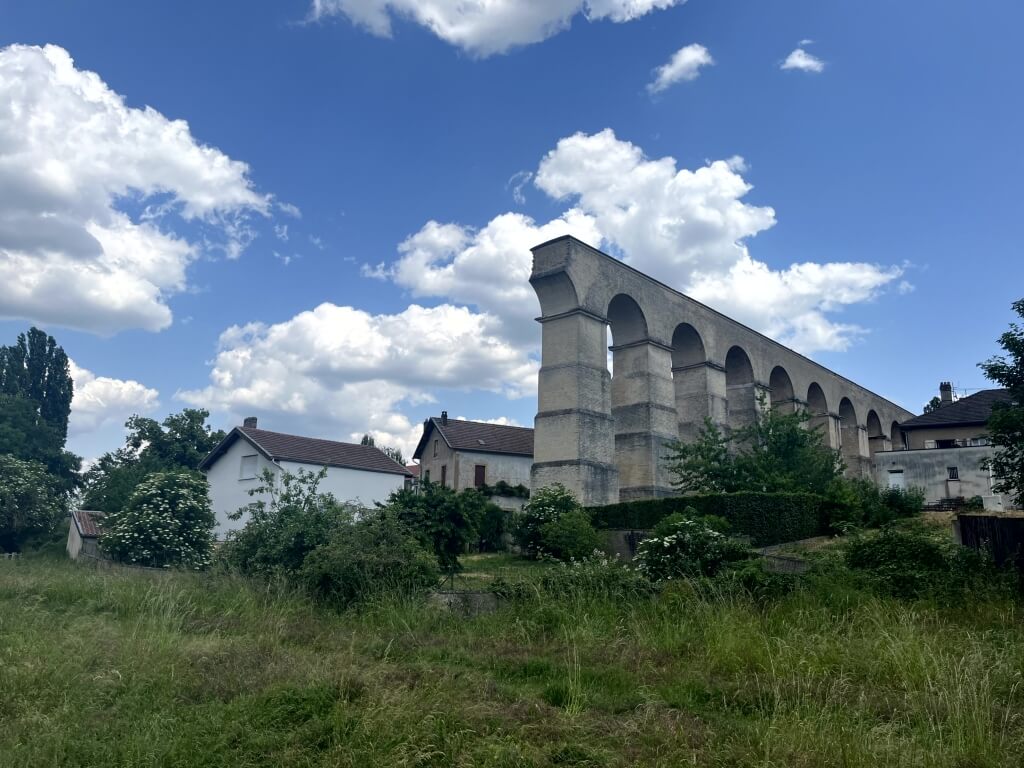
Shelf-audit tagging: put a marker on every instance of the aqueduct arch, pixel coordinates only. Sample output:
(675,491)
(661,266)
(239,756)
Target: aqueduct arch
(675,363)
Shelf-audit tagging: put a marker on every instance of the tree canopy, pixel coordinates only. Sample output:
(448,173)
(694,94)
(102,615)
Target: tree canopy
(180,442)
(1006,424)
(777,453)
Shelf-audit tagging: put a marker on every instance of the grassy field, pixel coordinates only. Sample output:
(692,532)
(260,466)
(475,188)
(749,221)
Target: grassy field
(120,668)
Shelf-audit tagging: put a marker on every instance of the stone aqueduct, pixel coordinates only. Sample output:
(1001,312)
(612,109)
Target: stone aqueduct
(675,362)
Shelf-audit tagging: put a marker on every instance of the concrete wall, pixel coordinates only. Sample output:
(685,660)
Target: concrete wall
(229,492)
(929,470)
(676,361)
(74,541)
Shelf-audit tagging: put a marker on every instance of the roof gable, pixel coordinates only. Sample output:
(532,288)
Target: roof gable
(973,409)
(478,436)
(278,446)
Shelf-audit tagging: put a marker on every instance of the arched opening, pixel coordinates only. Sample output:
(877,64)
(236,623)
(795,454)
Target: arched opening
(896,437)
(849,433)
(817,409)
(739,388)
(690,381)
(876,437)
(783,399)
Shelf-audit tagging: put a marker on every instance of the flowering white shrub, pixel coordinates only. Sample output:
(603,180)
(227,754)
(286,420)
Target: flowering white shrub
(167,522)
(553,524)
(685,548)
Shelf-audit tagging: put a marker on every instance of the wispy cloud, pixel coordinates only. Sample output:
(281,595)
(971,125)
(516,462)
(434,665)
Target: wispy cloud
(685,65)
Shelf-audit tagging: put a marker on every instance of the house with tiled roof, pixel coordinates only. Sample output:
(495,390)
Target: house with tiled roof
(945,450)
(361,474)
(460,454)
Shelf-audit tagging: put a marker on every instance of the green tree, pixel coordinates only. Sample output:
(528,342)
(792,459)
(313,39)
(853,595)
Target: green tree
(290,520)
(32,501)
(1006,424)
(166,523)
(180,442)
(442,520)
(554,524)
(933,405)
(395,454)
(777,453)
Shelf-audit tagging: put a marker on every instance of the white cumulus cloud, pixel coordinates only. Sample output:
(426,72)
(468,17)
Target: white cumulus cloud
(485,27)
(684,65)
(100,400)
(803,61)
(339,371)
(71,154)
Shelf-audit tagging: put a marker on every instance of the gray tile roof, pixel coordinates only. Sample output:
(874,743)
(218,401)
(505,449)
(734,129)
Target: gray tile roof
(279,446)
(479,436)
(973,409)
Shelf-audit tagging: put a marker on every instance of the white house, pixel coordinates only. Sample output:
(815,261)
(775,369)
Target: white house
(361,474)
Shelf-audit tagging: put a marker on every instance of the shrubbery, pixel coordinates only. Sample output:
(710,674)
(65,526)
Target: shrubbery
(553,524)
(375,556)
(767,518)
(911,561)
(858,503)
(283,530)
(166,522)
(31,502)
(594,576)
(683,546)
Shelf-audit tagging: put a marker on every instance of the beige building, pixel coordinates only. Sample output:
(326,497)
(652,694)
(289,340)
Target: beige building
(462,454)
(944,452)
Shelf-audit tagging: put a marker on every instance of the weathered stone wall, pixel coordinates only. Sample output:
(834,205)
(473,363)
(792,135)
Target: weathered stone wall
(675,362)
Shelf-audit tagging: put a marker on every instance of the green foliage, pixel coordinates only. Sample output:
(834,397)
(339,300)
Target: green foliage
(178,443)
(490,521)
(913,561)
(859,502)
(933,405)
(443,521)
(375,556)
(778,453)
(31,502)
(289,520)
(594,577)
(685,548)
(166,523)
(553,524)
(767,518)
(395,454)
(1006,424)
(502,488)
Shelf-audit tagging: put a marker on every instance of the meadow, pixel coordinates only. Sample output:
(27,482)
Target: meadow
(117,667)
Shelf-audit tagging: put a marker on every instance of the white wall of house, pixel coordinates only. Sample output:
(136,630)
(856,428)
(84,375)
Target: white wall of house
(355,485)
(229,490)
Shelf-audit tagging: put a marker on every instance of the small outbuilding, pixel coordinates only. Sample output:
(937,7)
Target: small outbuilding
(84,534)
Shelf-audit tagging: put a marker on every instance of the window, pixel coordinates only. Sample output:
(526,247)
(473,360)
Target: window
(444,474)
(435,447)
(929,443)
(480,475)
(426,475)
(953,472)
(248,469)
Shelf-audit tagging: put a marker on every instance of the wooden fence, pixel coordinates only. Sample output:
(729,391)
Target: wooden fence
(1003,537)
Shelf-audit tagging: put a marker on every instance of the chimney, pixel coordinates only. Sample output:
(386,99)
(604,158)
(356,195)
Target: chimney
(444,418)
(946,392)
(250,422)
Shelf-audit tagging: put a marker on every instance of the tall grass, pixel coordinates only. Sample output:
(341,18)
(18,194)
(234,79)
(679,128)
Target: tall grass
(121,668)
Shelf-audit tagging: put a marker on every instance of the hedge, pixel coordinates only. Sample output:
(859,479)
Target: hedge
(767,518)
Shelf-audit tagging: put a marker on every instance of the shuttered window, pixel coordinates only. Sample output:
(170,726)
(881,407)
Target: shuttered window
(480,475)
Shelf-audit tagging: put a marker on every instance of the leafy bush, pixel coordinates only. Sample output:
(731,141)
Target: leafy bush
(553,524)
(281,532)
(913,561)
(767,518)
(492,525)
(167,522)
(31,502)
(372,557)
(686,548)
(859,502)
(442,520)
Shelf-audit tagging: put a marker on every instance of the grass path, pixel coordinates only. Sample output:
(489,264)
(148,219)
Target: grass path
(111,668)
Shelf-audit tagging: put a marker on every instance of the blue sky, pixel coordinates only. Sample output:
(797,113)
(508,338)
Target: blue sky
(892,175)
